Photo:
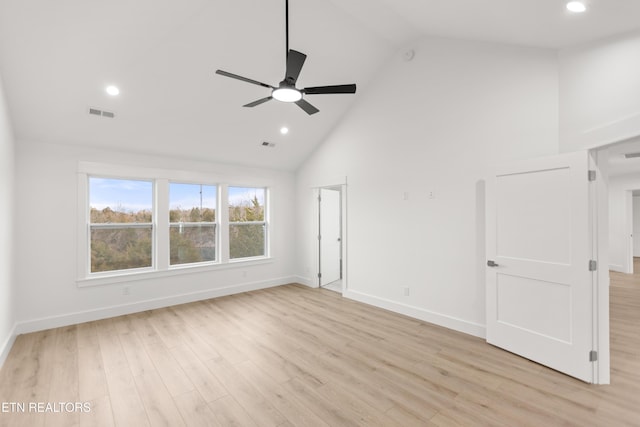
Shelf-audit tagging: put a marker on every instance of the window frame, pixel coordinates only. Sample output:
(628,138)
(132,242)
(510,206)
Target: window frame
(265,223)
(90,226)
(160,233)
(216,225)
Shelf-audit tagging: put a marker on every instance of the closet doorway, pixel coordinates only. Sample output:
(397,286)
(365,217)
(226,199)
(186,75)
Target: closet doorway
(330,238)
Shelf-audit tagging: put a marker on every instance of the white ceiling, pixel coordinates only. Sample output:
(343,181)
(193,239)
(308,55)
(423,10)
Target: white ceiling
(56,57)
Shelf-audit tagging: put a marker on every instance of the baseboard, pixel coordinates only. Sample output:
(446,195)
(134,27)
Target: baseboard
(6,345)
(34,325)
(439,319)
(618,268)
(305,281)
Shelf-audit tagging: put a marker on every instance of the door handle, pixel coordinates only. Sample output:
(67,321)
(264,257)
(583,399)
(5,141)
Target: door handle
(492,263)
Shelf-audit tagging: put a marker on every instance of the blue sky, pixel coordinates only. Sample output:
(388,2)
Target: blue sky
(136,195)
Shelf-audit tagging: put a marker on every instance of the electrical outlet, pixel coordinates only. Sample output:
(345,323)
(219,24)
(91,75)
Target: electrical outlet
(406,291)
(431,195)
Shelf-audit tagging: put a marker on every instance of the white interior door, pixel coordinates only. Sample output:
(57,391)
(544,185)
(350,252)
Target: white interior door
(330,236)
(539,292)
(635,215)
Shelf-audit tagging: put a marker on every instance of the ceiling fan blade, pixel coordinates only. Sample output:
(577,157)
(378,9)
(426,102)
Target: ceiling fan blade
(244,79)
(310,109)
(295,61)
(320,90)
(258,102)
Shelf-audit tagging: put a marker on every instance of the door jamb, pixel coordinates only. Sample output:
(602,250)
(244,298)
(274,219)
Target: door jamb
(600,241)
(344,231)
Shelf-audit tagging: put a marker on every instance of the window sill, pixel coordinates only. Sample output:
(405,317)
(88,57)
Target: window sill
(173,271)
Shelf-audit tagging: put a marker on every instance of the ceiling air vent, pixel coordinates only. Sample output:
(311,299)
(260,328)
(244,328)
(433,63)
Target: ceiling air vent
(631,155)
(97,112)
(268,144)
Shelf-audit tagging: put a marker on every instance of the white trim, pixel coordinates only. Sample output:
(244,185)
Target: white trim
(429,316)
(605,134)
(601,297)
(7,345)
(176,270)
(40,324)
(305,281)
(617,267)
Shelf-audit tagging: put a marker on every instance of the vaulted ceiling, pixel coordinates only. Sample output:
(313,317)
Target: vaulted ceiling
(56,57)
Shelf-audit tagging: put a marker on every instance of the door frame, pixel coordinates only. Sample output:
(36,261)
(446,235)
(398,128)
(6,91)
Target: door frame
(599,194)
(321,239)
(315,223)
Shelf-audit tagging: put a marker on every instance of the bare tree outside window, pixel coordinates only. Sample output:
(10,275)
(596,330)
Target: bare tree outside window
(192,223)
(247,224)
(120,224)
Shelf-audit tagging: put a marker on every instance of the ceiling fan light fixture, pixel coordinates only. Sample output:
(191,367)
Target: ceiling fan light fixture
(287,94)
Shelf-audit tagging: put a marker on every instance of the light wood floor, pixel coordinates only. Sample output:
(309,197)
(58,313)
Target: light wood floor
(293,356)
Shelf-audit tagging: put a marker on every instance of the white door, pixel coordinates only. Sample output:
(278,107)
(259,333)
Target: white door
(330,239)
(636,226)
(539,291)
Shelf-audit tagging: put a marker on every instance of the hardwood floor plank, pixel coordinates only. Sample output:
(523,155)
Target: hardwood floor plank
(101,414)
(125,401)
(287,404)
(230,414)
(92,383)
(206,383)
(262,412)
(158,403)
(294,356)
(195,411)
(172,374)
(134,349)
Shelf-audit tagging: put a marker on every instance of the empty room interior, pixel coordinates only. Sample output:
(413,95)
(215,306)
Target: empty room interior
(335,213)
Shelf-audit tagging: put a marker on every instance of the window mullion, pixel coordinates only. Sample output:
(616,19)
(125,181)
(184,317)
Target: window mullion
(161,225)
(223,219)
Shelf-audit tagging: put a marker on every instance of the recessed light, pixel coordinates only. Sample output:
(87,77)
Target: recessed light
(576,7)
(112,90)
(284,130)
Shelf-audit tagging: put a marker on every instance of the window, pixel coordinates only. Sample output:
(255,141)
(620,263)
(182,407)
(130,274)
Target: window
(120,224)
(247,224)
(192,223)
(138,223)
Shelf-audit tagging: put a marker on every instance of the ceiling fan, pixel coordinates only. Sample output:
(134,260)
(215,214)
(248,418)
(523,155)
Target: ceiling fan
(286,90)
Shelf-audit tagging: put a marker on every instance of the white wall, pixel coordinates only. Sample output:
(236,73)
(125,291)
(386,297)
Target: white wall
(621,221)
(46,196)
(599,87)
(7,204)
(432,125)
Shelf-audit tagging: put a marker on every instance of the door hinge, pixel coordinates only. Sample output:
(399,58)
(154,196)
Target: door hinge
(319,275)
(592,175)
(593,265)
(319,237)
(593,356)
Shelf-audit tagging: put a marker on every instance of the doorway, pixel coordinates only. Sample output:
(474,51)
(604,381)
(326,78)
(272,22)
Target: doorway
(330,259)
(616,230)
(635,230)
